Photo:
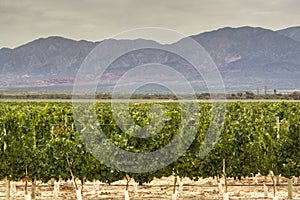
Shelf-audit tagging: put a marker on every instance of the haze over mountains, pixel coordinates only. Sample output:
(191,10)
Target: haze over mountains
(247,58)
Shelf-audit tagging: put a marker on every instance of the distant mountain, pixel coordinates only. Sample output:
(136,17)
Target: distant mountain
(292,32)
(47,56)
(250,57)
(247,57)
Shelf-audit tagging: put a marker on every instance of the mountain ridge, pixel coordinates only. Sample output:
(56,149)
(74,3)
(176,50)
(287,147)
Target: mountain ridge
(292,32)
(247,57)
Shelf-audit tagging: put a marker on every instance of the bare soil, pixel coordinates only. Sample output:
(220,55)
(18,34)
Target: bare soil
(160,189)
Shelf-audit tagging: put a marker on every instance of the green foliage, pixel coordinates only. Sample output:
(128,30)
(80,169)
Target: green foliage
(42,139)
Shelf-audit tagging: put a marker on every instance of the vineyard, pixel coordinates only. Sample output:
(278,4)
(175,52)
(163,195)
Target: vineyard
(41,143)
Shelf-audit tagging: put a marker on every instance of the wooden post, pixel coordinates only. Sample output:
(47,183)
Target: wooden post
(225,176)
(26,182)
(274,183)
(56,190)
(180,192)
(278,180)
(126,194)
(136,193)
(290,188)
(255,182)
(220,185)
(265,188)
(33,188)
(27,196)
(128,178)
(7,189)
(278,127)
(174,185)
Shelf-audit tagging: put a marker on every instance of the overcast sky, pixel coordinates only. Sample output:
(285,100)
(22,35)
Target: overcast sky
(25,20)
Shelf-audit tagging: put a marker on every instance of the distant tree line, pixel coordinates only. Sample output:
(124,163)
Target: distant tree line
(201,96)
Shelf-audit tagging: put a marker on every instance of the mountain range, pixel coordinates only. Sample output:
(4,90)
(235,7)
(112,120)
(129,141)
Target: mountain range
(247,58)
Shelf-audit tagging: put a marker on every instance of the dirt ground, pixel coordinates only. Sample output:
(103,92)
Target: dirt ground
(159,189)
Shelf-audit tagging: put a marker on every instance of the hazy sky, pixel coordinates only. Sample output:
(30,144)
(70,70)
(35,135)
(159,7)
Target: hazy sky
(25,20)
